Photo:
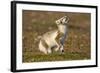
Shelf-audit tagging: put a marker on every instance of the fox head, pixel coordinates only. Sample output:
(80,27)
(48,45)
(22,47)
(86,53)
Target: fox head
(62,21)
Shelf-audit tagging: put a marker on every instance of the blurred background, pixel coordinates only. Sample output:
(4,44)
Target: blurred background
(77,44)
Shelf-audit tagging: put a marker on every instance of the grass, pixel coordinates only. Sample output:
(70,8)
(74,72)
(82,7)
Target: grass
(31,57)
(77,44)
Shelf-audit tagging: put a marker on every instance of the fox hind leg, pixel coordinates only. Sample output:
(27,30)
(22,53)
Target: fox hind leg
(42,47)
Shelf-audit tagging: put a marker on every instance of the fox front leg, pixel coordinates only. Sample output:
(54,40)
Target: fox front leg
(49,50)
(61,49)
(57,47)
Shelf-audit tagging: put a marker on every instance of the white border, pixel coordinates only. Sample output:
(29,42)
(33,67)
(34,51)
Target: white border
(21,65)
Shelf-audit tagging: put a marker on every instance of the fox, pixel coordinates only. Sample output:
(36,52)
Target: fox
(54,39)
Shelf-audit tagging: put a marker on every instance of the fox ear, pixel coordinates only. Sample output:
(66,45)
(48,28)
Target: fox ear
(67,20)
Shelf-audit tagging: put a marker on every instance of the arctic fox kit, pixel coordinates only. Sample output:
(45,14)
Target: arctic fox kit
(54,40)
